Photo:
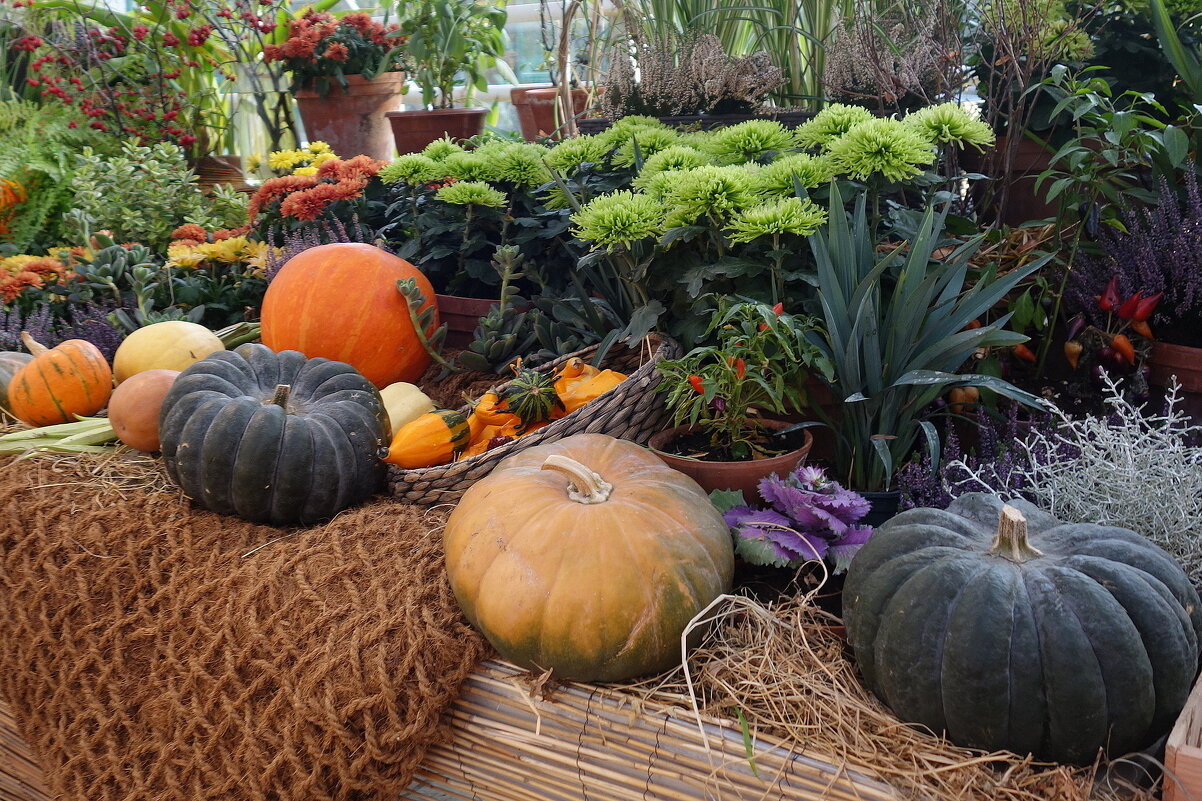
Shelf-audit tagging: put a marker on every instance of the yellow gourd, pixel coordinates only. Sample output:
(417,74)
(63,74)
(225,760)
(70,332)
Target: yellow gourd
(583,391)
(405,403)
(575,371)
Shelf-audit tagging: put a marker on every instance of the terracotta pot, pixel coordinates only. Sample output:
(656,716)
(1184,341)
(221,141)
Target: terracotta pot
(541,104)
(413,130)
(462,315)
(1176,360)
(521,105)
(1023,202)
(744,476)
(352,122)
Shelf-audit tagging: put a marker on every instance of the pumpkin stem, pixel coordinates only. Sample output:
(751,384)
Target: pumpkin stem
(280,398)
(32,345)
(584,486)
(1011,540)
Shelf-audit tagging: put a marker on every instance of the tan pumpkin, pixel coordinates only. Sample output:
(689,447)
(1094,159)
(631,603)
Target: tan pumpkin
(134,408)
(587,556)
(405,403)
(169,345)
(10,362)
(60,383)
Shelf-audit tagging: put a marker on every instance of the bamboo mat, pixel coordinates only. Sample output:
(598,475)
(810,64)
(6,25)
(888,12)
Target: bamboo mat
(595,744)
(588,743)
(20,776)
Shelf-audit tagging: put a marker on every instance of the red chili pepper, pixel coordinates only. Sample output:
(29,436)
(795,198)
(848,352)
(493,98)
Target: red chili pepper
(1146,306)
(779,308)
(1109,299)
(695,383)
(1123,347)
(740,368)
(1127,310)
(972,325)
(1024,353)
(1140,327)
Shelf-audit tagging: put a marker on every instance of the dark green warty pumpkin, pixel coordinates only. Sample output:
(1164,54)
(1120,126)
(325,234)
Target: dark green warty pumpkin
(1008,629)
(273,437)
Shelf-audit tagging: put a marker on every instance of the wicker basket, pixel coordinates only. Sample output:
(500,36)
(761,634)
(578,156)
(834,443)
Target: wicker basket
(630,411)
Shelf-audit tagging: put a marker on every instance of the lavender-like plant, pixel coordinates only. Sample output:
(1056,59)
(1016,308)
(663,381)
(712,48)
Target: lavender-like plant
(1161,251)
(808,517)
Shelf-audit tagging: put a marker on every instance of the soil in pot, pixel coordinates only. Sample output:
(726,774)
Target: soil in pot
(686,449)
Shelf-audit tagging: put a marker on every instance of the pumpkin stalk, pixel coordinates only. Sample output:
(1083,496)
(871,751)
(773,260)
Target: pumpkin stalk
(280,398)
(584,486)
(1011,539)
(32,345)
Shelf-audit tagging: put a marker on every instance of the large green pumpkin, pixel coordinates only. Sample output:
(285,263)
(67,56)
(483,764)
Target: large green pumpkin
(10,362)
(1008,629)
(273,438)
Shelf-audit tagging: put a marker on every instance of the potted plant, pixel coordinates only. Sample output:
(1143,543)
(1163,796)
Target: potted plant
(896,325)
(450,43)
(345,74)
(719,393)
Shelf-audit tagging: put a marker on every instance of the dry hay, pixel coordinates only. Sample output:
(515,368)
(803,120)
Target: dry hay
(791,676)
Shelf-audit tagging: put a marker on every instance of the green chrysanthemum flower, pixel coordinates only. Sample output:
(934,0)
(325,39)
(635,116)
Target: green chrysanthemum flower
(522,164)
(627,124)
(470,166)
(749,140)
(471,193)
(881,146)
(777,179)
(830,123)
(441,148)
(650,141)
(618,219)
(566,156)
(412,168)
(716,192)
(658,185)
(791,215)
(677,157)
(949,123)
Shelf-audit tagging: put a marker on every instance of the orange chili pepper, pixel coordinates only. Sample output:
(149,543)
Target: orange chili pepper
(1123,347)
(1072,352)
(1024,353)
(695,383)
(1142,328)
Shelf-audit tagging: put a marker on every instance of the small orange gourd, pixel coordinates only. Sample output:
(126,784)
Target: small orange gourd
(70,380)
(582,392)
(434,438)
(574,371)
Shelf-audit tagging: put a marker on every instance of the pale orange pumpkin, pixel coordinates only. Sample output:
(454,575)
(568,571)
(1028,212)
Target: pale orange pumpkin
(134,408)
(71,379)
(341,301)
(587,556)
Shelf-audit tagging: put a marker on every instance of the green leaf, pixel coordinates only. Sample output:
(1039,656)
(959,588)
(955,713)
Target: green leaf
(725,500)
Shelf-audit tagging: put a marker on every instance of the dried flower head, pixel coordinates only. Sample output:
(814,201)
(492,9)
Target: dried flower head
(885,147)
(619,219)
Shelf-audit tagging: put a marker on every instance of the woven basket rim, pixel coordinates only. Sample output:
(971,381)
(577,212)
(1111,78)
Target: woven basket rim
(651,346)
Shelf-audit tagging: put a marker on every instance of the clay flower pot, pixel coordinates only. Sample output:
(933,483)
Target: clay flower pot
(535,107)
(352,122)
(413,130)
(462,316)
(744,475)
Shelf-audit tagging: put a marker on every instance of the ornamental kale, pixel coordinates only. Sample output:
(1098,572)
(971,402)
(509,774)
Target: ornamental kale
(808,517)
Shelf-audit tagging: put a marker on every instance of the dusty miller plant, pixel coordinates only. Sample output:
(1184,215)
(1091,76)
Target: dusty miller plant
(1129,469)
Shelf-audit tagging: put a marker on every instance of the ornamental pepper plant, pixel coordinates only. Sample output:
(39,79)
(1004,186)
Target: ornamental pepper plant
(757,361)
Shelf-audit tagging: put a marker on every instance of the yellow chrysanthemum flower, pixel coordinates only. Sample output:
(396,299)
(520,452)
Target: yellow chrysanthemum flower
(310,170)
(286,159)
(182,255)
(320,147)
(322,158)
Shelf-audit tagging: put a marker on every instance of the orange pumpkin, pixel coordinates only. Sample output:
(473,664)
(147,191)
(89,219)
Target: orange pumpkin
(587,556)
(341,301)
(60,383)
(134,408)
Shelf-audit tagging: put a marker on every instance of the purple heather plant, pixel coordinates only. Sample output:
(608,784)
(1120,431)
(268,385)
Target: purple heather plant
(808,517)
(88,321)
(1161,251)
